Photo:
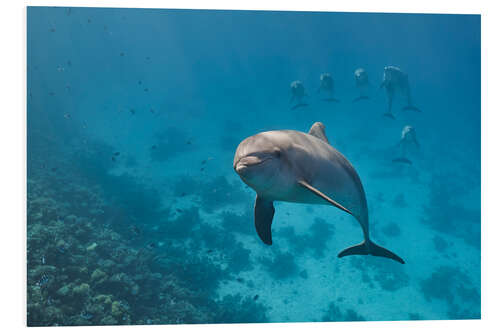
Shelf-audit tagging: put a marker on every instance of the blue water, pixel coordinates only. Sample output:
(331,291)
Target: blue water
(136,216)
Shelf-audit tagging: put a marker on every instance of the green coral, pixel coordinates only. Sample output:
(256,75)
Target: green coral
(82,289)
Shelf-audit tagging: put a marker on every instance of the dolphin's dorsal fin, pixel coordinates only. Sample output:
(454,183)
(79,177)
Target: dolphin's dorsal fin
(318,130)
(264,213)
(323,196)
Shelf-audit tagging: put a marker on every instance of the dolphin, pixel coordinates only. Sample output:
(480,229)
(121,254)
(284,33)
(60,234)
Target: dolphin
(302,167)
(298,92)
(362,83)
(396,80)
(408,139)
(327,85)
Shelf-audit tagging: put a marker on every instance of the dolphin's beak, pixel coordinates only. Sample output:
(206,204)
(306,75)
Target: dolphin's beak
(244,163)
(240,168)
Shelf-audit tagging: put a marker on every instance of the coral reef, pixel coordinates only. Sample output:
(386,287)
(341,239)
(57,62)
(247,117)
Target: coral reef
(281,266)
(86,266)
(461,221)
(334,313)
(452,285)
(389,275)
(316,240)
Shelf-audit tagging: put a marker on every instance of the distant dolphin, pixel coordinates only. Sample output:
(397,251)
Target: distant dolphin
(396,80)
(408,139)
(327,85)
(362,83)
(298,92)
(302,167)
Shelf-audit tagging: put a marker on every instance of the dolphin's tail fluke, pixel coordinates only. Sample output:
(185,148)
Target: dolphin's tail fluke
(360,98)
(331,99)
(370,248)
(412,108)
(389,115)
(402,160)
(299,105)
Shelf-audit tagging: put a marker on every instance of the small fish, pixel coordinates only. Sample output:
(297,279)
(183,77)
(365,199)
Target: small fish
(135,229)
(183,194)
(89,20)
(256,297)
(44,279)
(151,245)
(140,82)
(146,89)
(52,30)
(240,280)
(204,162)
(117,153)
(210,251)
(148,58)
(154,147)
(43,260)
(67,116)
(202,169)
(189,142)
(178,210)
(113,159)
(132,111)
(69,63)
(51,93)
(152,110)
(53,169)
(61,249)
(86,316)
(122,54)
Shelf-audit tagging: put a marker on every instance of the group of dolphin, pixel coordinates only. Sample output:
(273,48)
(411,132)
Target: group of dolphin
(394,81)
(293,166)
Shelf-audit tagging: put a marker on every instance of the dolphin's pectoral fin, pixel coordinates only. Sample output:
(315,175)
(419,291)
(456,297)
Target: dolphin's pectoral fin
(318,130)
(264,213)
(369,247)
(323,196)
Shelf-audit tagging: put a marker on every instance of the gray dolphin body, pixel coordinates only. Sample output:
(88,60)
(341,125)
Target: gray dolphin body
(298,93)
(327,85)
(362,83)
(408,140)
(302,167)
(396,80)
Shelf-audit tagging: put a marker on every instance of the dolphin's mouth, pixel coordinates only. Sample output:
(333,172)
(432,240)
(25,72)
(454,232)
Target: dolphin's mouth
(246,162)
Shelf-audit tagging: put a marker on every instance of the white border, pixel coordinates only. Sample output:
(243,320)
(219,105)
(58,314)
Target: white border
(13,144)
